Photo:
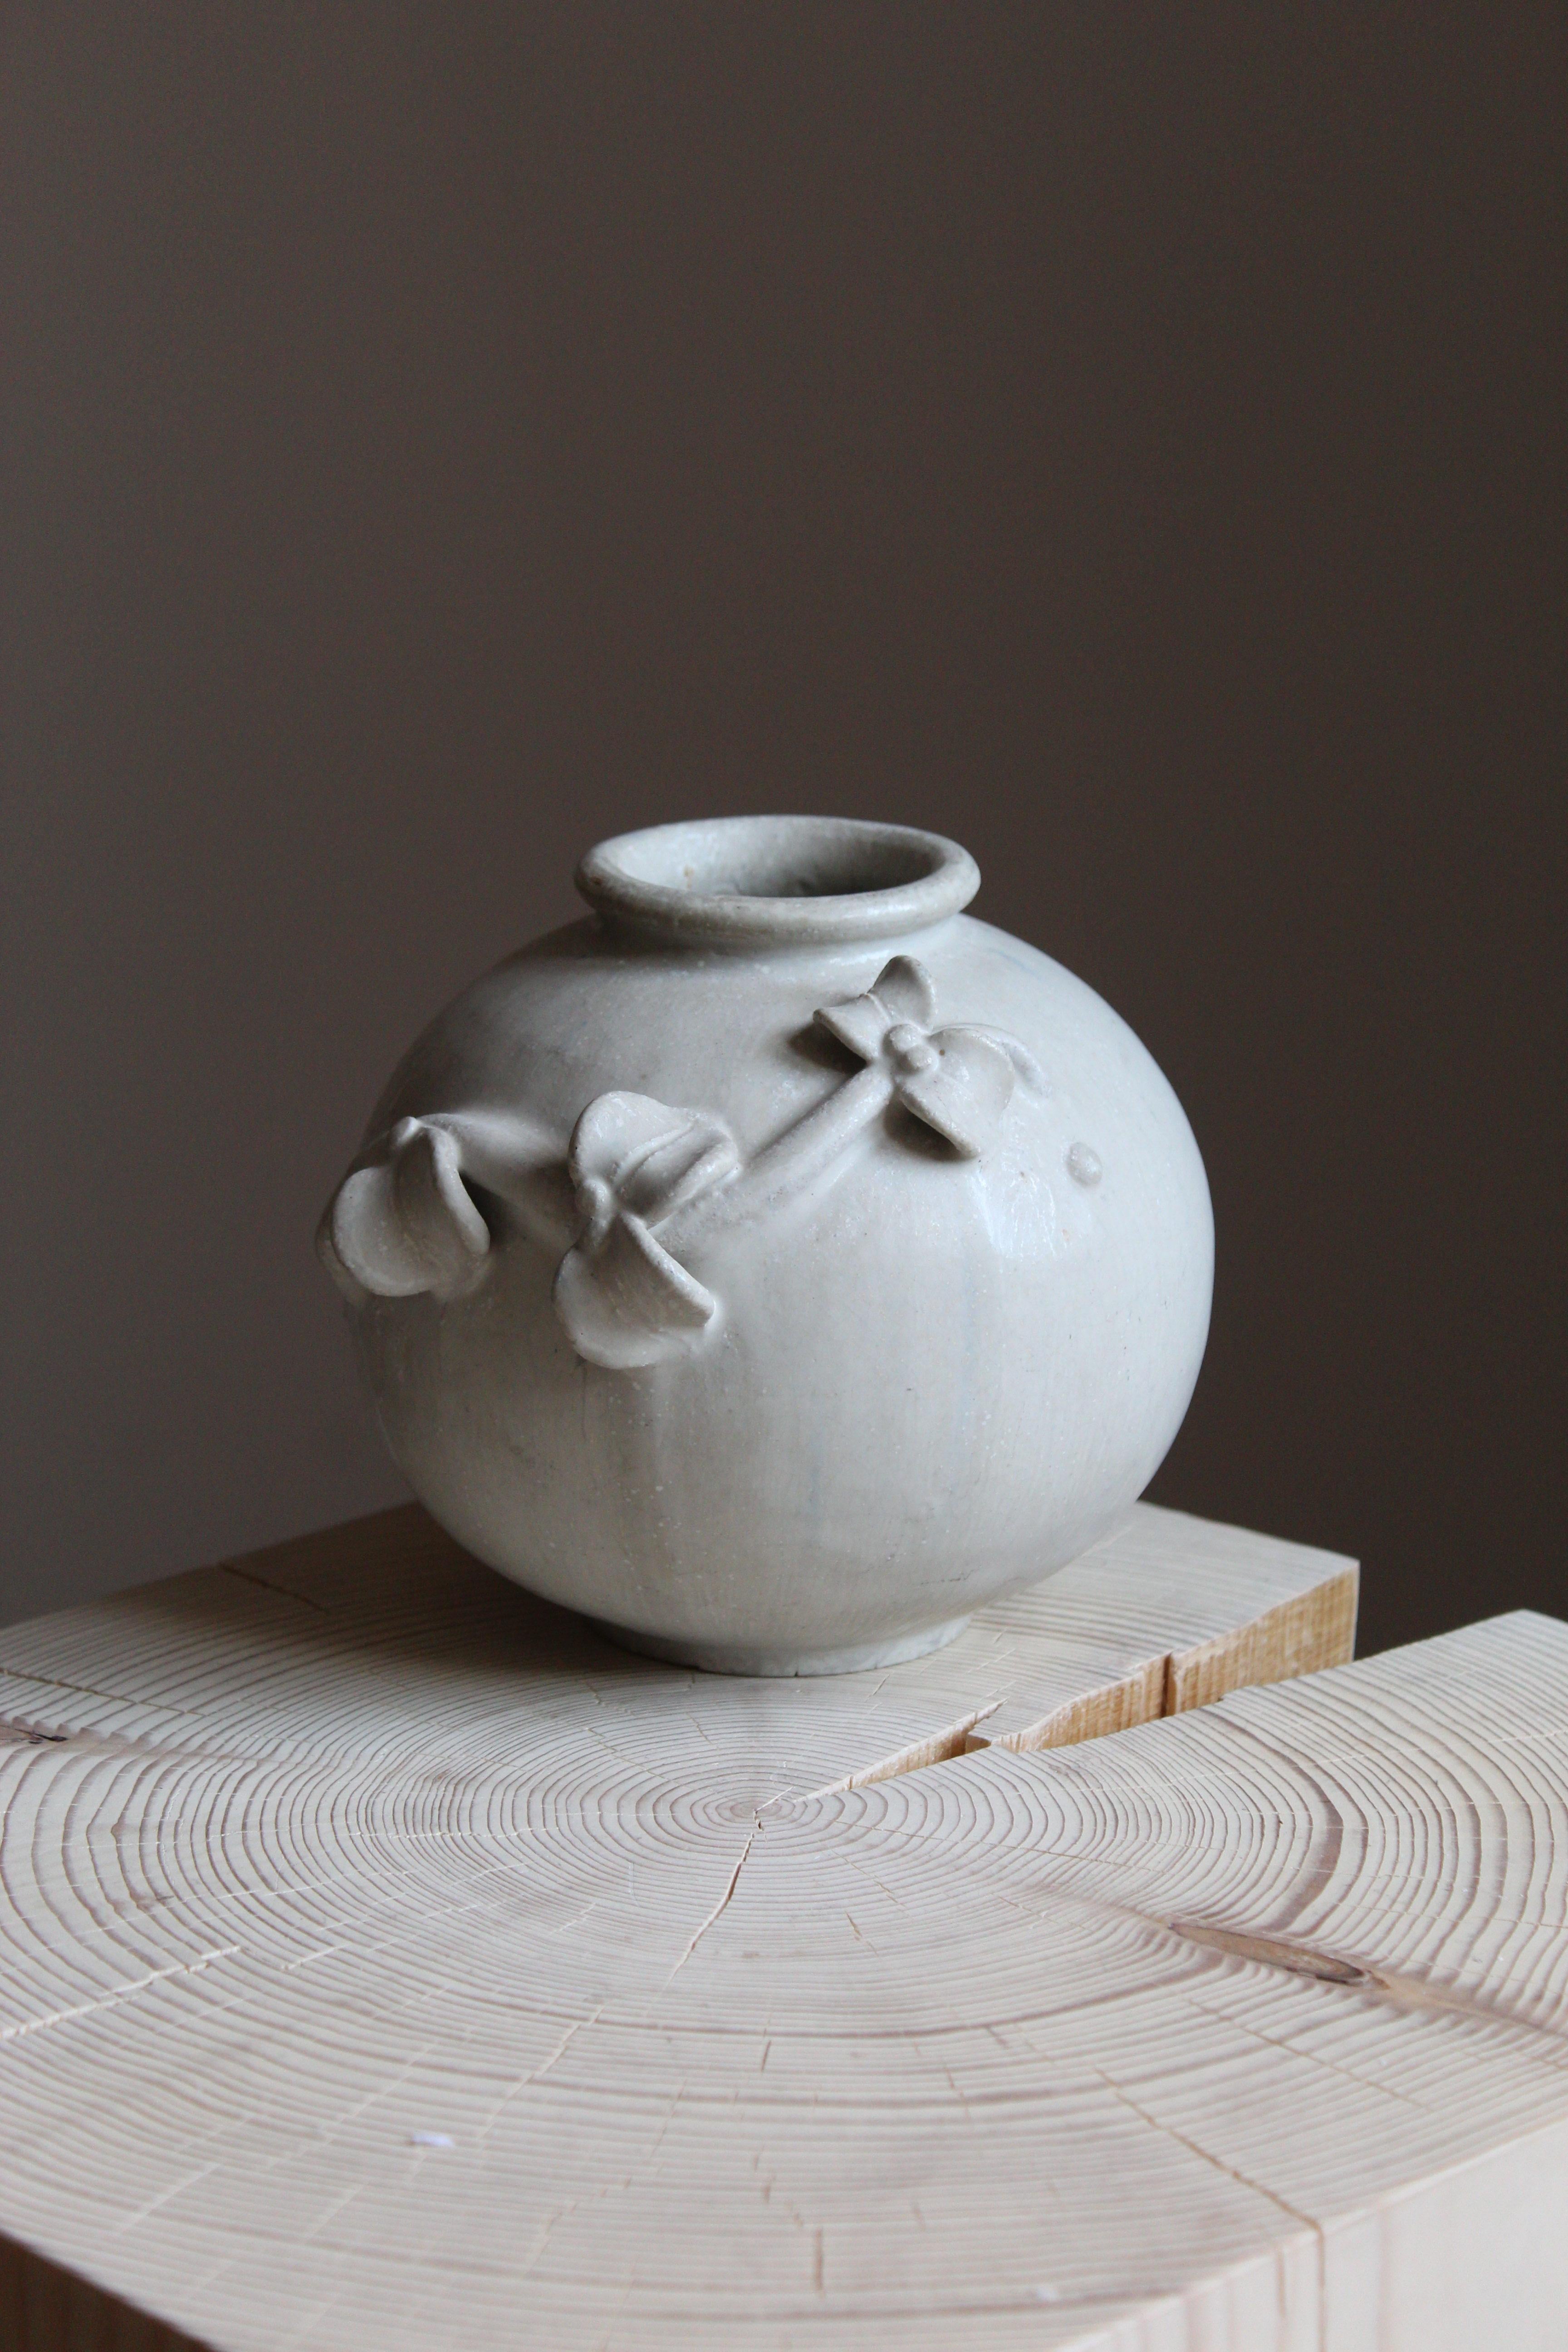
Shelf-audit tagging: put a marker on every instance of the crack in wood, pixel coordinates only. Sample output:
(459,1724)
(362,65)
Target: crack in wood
(1301,1635)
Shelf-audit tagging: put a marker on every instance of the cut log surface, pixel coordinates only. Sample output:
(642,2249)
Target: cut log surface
(390,1963)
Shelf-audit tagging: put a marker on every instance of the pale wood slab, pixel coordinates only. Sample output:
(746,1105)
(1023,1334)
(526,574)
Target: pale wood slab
(389,1964)
(383,1632)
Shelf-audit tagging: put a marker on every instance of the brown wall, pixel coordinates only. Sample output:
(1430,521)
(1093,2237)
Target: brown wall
(1126,438)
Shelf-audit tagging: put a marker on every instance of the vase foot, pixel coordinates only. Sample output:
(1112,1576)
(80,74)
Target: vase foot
(738,1658)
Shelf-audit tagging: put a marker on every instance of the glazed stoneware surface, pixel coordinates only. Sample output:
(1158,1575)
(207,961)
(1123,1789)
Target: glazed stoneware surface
(779,1263)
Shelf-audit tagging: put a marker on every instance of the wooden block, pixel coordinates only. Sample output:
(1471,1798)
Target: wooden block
(391,1964)
(383,1628)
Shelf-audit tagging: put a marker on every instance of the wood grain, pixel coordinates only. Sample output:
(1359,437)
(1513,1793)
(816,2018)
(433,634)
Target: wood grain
(388,1964)
(323,1639)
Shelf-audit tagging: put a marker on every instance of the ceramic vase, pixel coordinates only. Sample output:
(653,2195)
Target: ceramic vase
(779,1263)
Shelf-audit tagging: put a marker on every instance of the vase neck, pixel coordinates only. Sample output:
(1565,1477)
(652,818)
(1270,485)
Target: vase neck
(777,881)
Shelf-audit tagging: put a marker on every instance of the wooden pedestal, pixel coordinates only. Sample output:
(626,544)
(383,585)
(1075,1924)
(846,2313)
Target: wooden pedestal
(389,1964)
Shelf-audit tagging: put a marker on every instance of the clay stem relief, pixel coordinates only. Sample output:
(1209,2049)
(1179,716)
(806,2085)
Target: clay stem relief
(653,1182)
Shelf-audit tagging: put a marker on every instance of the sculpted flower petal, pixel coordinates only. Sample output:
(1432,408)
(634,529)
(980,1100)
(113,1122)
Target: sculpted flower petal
(652,1156)
(861,1023)
(1026,1069)
(908,991)
(903,992)
(629,1302)
(965,1093)
(619,1131)
(409,1222)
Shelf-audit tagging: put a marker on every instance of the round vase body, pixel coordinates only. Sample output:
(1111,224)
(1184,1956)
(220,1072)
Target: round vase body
(779,1263)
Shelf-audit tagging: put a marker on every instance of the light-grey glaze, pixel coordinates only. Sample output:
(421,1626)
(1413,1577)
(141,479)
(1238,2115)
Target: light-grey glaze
(780,1263)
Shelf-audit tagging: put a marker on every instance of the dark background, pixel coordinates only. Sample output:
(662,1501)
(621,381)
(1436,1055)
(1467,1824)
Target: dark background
(1125,438)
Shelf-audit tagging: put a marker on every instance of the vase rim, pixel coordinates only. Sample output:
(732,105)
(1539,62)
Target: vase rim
(777,881)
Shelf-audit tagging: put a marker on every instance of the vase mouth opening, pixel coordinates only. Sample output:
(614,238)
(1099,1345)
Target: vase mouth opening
(759,881)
